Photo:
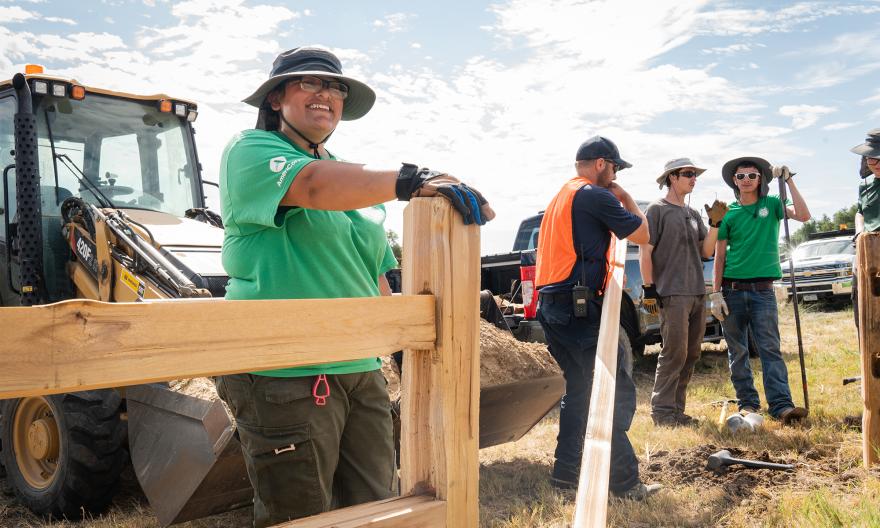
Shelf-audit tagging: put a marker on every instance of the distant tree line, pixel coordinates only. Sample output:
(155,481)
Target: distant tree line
(844,217)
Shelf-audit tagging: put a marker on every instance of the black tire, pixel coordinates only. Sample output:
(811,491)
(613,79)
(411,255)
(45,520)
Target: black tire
(91,454)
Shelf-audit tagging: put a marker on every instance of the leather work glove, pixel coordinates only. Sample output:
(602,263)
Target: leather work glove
(651,299)
(783,172)
(716,212)
(717,305)
(415,182)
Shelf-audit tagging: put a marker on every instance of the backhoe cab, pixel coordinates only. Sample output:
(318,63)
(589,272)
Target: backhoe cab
(102,198)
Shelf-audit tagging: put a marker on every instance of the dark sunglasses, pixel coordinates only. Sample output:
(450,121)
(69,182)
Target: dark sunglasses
(311,84)
(873,161)
(616,166)
(686,174)
(751,175)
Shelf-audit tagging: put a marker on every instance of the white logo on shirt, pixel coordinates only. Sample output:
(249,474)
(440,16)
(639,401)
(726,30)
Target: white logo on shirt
(694,224)
(763,212)
(277,164)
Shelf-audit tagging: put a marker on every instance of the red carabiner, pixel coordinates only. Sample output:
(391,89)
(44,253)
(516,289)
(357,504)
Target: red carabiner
(321,399)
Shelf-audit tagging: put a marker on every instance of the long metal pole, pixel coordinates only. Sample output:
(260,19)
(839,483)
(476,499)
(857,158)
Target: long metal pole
(794,297)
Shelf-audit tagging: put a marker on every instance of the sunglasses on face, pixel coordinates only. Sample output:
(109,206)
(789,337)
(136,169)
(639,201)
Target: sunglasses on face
(750,175)
(686,174)
(616,166)
(311,84)
(873,161)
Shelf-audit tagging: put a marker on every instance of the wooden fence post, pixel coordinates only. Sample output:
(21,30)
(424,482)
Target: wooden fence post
(868,259)
(440,422)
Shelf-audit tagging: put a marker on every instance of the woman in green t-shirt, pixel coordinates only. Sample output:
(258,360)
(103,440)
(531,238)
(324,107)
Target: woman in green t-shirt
(300,224)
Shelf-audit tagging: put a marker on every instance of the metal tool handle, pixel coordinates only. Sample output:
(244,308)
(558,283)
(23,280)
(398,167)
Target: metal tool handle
(757,464)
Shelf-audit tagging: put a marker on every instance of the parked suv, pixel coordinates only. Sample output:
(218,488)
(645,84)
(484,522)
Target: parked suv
(823,268)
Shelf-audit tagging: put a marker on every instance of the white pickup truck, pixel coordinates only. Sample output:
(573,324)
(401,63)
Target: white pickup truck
(823,269)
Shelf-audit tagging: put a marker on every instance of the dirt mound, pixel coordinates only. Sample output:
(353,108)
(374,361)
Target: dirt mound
(504,359)
(199,387)
(688,466)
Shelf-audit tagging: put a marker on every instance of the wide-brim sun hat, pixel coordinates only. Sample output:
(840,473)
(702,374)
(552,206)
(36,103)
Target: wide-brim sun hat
(729,169)
(320,62)
(673,165)
(871,147)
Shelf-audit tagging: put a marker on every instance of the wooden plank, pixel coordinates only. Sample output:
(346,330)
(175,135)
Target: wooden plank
(400,512)
(868,258)
(440,418)
(79,345)
(592,497)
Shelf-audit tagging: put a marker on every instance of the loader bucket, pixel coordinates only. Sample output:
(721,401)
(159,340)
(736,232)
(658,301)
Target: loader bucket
(185,454)
(510,410)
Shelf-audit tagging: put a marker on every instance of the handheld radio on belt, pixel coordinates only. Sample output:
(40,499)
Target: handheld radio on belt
(580,294)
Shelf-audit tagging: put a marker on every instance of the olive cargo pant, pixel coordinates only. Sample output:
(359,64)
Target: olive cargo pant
(682,326)
(303,459)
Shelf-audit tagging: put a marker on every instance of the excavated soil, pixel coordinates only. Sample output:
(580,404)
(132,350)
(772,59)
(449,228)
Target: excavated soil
(503,359)
(688,467)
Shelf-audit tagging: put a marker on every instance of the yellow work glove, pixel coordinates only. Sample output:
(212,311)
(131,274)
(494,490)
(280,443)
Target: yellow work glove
(716,212)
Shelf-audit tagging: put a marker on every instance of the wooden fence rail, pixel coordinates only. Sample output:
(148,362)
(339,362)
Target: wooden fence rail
(80,345)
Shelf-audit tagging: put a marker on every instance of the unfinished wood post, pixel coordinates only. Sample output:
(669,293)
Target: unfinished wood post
(868,262)
(592,496)
(440,406)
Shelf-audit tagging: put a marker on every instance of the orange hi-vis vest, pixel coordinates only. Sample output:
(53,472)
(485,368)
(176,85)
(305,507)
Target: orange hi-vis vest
(556,256)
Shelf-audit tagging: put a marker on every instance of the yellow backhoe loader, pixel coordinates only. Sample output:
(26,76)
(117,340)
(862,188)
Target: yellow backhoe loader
(102,198)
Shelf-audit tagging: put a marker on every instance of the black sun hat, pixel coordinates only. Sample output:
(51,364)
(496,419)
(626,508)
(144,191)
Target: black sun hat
(871,147)
(321,62)
(729,169)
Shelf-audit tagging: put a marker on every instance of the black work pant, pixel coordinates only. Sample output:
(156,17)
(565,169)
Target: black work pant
(572,342)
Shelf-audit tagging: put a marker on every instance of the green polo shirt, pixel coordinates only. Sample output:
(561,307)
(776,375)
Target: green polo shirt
(272,251)
(869,202)
(752,235)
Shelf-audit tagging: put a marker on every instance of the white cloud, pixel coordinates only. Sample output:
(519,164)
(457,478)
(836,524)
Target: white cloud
(61,20)
(831,73)
(394,22)
(415,45)
(728,21)
(732,49)
(803,116)
(840,126)
(16,14)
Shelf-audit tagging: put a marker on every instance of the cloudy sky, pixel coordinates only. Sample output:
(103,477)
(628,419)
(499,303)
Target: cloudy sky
(501,94)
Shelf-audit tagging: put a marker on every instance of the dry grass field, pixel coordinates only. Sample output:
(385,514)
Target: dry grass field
(828,488)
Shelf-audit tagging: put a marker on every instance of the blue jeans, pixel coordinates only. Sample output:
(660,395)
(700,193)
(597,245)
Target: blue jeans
(756,311)
(572,342)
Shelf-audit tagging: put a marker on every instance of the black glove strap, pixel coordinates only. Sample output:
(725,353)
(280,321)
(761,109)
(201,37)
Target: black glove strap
(408,180)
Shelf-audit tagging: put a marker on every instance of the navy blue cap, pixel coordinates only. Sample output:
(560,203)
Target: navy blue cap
(600,147)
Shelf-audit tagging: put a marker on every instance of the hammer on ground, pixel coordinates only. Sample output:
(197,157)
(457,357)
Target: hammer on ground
(723,458)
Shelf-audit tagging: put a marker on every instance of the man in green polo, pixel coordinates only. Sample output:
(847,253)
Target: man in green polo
(746,264)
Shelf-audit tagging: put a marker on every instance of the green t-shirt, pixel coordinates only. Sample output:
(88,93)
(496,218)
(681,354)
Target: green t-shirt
(869,202)
(752,234)
(272,251)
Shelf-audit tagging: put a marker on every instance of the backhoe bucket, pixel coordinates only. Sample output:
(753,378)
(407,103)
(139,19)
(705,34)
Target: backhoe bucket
(509,411)
(185,454)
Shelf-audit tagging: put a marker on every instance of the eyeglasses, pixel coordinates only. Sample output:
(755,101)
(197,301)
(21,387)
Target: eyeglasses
(873,161)
(687,174)
(616,166)
(311,84)
(751,175)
